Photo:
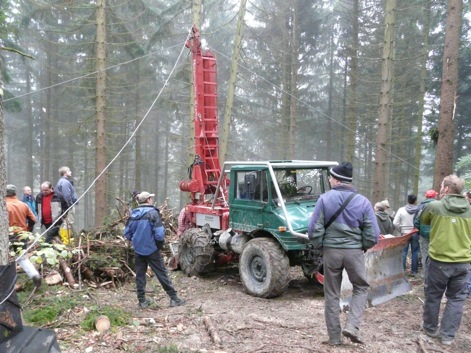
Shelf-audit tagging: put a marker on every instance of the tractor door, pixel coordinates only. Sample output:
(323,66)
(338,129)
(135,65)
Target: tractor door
(250,200)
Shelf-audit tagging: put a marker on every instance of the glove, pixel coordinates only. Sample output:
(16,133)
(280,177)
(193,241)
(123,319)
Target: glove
(160,244)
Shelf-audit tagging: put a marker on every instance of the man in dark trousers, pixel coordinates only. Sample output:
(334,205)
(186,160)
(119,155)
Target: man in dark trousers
(424,230)
(51,205)
(343,226)
(448,259)
(146,232)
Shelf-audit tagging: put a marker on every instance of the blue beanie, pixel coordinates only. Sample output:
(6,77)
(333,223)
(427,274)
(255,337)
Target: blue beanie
(343,172)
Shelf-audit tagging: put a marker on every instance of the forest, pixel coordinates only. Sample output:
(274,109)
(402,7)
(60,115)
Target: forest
(104,87)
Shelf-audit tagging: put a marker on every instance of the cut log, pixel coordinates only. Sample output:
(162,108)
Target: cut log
(67,273)
(212,330)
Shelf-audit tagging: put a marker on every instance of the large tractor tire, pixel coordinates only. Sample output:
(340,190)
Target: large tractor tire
(264,268)
(195,253)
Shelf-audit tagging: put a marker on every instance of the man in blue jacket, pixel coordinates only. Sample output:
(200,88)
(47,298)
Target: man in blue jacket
(146,232)
(343,236)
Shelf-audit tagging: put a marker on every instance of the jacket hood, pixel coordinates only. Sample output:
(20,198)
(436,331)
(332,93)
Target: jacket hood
(411,208)
(455,203)
(140,211)
(382,216)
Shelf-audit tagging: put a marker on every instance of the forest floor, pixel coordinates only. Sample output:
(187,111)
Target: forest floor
(220,317)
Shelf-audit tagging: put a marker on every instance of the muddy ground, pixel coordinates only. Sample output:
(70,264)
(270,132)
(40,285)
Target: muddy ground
(220,317)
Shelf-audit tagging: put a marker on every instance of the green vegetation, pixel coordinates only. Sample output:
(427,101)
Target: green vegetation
(117,316)
(49,306)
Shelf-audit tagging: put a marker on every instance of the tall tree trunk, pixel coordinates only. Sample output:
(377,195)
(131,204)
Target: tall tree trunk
(385,100)
(29,130)
(353,77)
(231,84)
(139,133)
(446,125)
(100,163)
(294,82)
(423,78)
(330,113)
(3,179)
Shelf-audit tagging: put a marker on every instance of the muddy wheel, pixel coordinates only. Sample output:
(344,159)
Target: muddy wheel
(264,268)
(195,253)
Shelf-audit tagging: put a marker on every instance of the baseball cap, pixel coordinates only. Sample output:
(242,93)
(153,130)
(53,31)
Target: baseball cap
(143,196)
(431,194)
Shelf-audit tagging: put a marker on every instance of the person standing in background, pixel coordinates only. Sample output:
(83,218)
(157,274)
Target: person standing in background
(65,185)
(50,205)
(28,199)
(384,221)
(404,223)
(424,231)
(18,214)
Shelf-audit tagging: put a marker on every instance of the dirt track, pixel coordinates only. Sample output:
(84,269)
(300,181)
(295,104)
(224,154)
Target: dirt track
(217,308)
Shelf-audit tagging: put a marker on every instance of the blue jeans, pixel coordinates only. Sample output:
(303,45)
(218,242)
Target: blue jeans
(414,245)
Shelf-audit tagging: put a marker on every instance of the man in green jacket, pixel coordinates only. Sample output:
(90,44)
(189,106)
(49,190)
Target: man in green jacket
(449,259)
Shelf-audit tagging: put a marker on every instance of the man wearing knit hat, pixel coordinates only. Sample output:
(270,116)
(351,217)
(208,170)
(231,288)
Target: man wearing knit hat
(424,231)
(343,226)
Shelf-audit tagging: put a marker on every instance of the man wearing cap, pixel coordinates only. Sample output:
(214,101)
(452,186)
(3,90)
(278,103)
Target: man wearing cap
(448,264)
(343,235)
(146,232)
(19,215)
(424,230)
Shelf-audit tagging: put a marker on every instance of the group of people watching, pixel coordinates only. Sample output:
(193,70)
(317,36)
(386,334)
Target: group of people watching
(344,225)
(445,259)
(51,208)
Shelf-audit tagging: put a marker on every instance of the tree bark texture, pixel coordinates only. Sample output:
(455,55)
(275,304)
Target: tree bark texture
(448,97)
(385,99)
(423,78)
(231,84)
(100,163)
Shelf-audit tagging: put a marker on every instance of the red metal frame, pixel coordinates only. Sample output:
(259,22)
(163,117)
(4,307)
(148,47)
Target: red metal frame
(205,170)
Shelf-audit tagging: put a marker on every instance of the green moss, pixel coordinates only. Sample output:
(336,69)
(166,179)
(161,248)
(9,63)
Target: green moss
(117,316)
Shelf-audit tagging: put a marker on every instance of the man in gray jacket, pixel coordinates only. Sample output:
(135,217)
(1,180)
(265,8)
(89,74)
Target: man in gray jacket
(343,235)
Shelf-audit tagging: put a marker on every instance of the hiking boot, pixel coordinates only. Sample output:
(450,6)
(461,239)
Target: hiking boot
(144,304)
(447,341)
(353,333)
(176,302)
(334,341)
(433,334)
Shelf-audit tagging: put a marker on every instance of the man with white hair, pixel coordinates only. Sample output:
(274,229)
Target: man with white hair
(449,260)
